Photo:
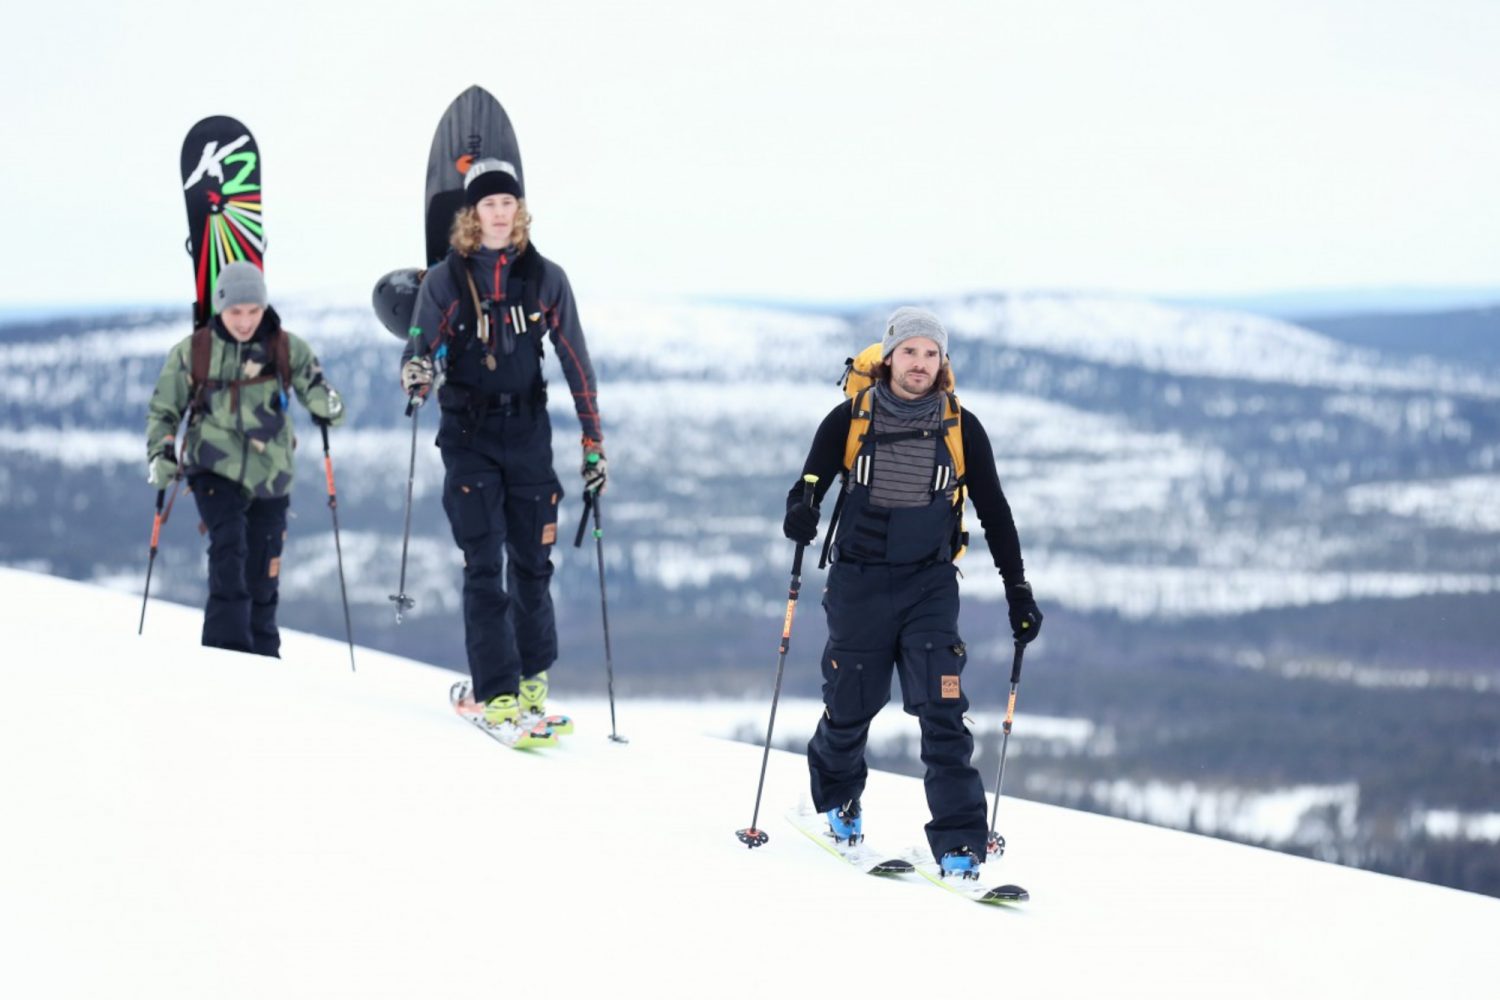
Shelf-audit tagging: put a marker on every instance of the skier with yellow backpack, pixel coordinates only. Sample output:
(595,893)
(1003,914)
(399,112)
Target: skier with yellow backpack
(907,455)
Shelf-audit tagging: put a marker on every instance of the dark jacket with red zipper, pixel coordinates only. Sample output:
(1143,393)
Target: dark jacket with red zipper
(497,360)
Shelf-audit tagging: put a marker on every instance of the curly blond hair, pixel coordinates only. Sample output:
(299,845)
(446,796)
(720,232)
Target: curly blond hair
(465,236)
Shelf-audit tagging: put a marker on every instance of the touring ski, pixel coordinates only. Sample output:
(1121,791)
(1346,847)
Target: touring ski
(861,855)
(519,735)
(977,889)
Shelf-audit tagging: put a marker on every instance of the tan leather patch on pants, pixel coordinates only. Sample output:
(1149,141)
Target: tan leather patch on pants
(950,685)
(549,533)
(275,570)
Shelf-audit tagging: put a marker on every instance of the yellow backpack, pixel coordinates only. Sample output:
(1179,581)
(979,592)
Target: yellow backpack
(859,376)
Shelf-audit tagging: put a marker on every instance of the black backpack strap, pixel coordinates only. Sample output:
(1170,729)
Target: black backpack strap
(888,436)
(523,286)
(467,322)
(833,521)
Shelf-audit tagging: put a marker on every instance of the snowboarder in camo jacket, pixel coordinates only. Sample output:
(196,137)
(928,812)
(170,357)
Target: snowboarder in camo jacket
(233,379)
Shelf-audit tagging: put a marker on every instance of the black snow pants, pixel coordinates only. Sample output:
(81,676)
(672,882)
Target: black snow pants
(245,536)
(901,617)
(501,496)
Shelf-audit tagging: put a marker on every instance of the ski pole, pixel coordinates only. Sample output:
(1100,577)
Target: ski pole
(338,548)
(996,844)
(403,602)
(414,401)
(156,525)
(752,836)
(591,501)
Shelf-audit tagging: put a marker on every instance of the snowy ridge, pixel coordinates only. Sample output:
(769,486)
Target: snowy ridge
(1145,592)
(344,835)
(1192,342)
(1132,496)
(1464,503)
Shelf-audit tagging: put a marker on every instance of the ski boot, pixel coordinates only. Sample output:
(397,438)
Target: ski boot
(502,716)
(534,706)
(846,823)
(962,863)
(461,697)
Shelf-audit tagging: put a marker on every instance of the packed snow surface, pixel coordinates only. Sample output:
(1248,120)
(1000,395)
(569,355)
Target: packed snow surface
(184,822)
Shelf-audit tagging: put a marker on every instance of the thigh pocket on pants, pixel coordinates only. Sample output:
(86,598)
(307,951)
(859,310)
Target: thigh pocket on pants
(533,514)
(265,529)
(856,684)
(472,502)
(932,666)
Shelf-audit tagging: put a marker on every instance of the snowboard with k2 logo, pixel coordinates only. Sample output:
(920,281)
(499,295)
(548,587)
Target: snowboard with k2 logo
(221,184)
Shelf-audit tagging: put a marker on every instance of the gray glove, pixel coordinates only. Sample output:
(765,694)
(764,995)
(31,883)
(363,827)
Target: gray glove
(163,467)
(595,468)
(416,377)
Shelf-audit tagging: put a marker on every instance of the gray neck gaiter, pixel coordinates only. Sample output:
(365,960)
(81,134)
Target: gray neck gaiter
(902,473)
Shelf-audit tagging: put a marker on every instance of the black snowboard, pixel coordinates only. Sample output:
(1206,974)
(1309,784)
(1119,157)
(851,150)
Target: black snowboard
(474,127)
(221,182)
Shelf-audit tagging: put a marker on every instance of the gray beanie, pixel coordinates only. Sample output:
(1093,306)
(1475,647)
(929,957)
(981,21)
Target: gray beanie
(908,322)
(240,284)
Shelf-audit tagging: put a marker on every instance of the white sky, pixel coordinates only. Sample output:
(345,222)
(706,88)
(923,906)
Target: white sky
(824,151)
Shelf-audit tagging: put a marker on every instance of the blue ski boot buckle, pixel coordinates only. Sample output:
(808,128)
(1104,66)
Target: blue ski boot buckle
(846,823)
(960,863)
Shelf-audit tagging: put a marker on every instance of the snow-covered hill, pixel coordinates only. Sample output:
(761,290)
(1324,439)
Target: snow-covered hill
(1151,453)
(182,822)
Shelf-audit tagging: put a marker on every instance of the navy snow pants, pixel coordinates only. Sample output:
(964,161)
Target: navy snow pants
(903,618)
(245,537)
(501,497)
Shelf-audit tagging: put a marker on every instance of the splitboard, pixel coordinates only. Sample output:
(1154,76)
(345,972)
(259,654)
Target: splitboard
(221,184)
(474,127)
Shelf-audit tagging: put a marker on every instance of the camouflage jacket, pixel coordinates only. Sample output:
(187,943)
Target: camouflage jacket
(240,430)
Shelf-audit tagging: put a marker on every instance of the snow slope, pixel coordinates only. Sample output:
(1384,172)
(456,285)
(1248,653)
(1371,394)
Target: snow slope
(182,822)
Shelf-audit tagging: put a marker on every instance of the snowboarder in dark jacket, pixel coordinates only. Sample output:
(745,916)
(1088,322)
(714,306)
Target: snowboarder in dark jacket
(892,593)
(481,316)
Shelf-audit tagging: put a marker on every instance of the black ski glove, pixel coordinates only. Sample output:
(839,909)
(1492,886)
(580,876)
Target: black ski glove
(801,524)
(1025,616)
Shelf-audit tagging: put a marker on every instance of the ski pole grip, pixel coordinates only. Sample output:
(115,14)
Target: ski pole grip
(1015,666)
(809,485)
